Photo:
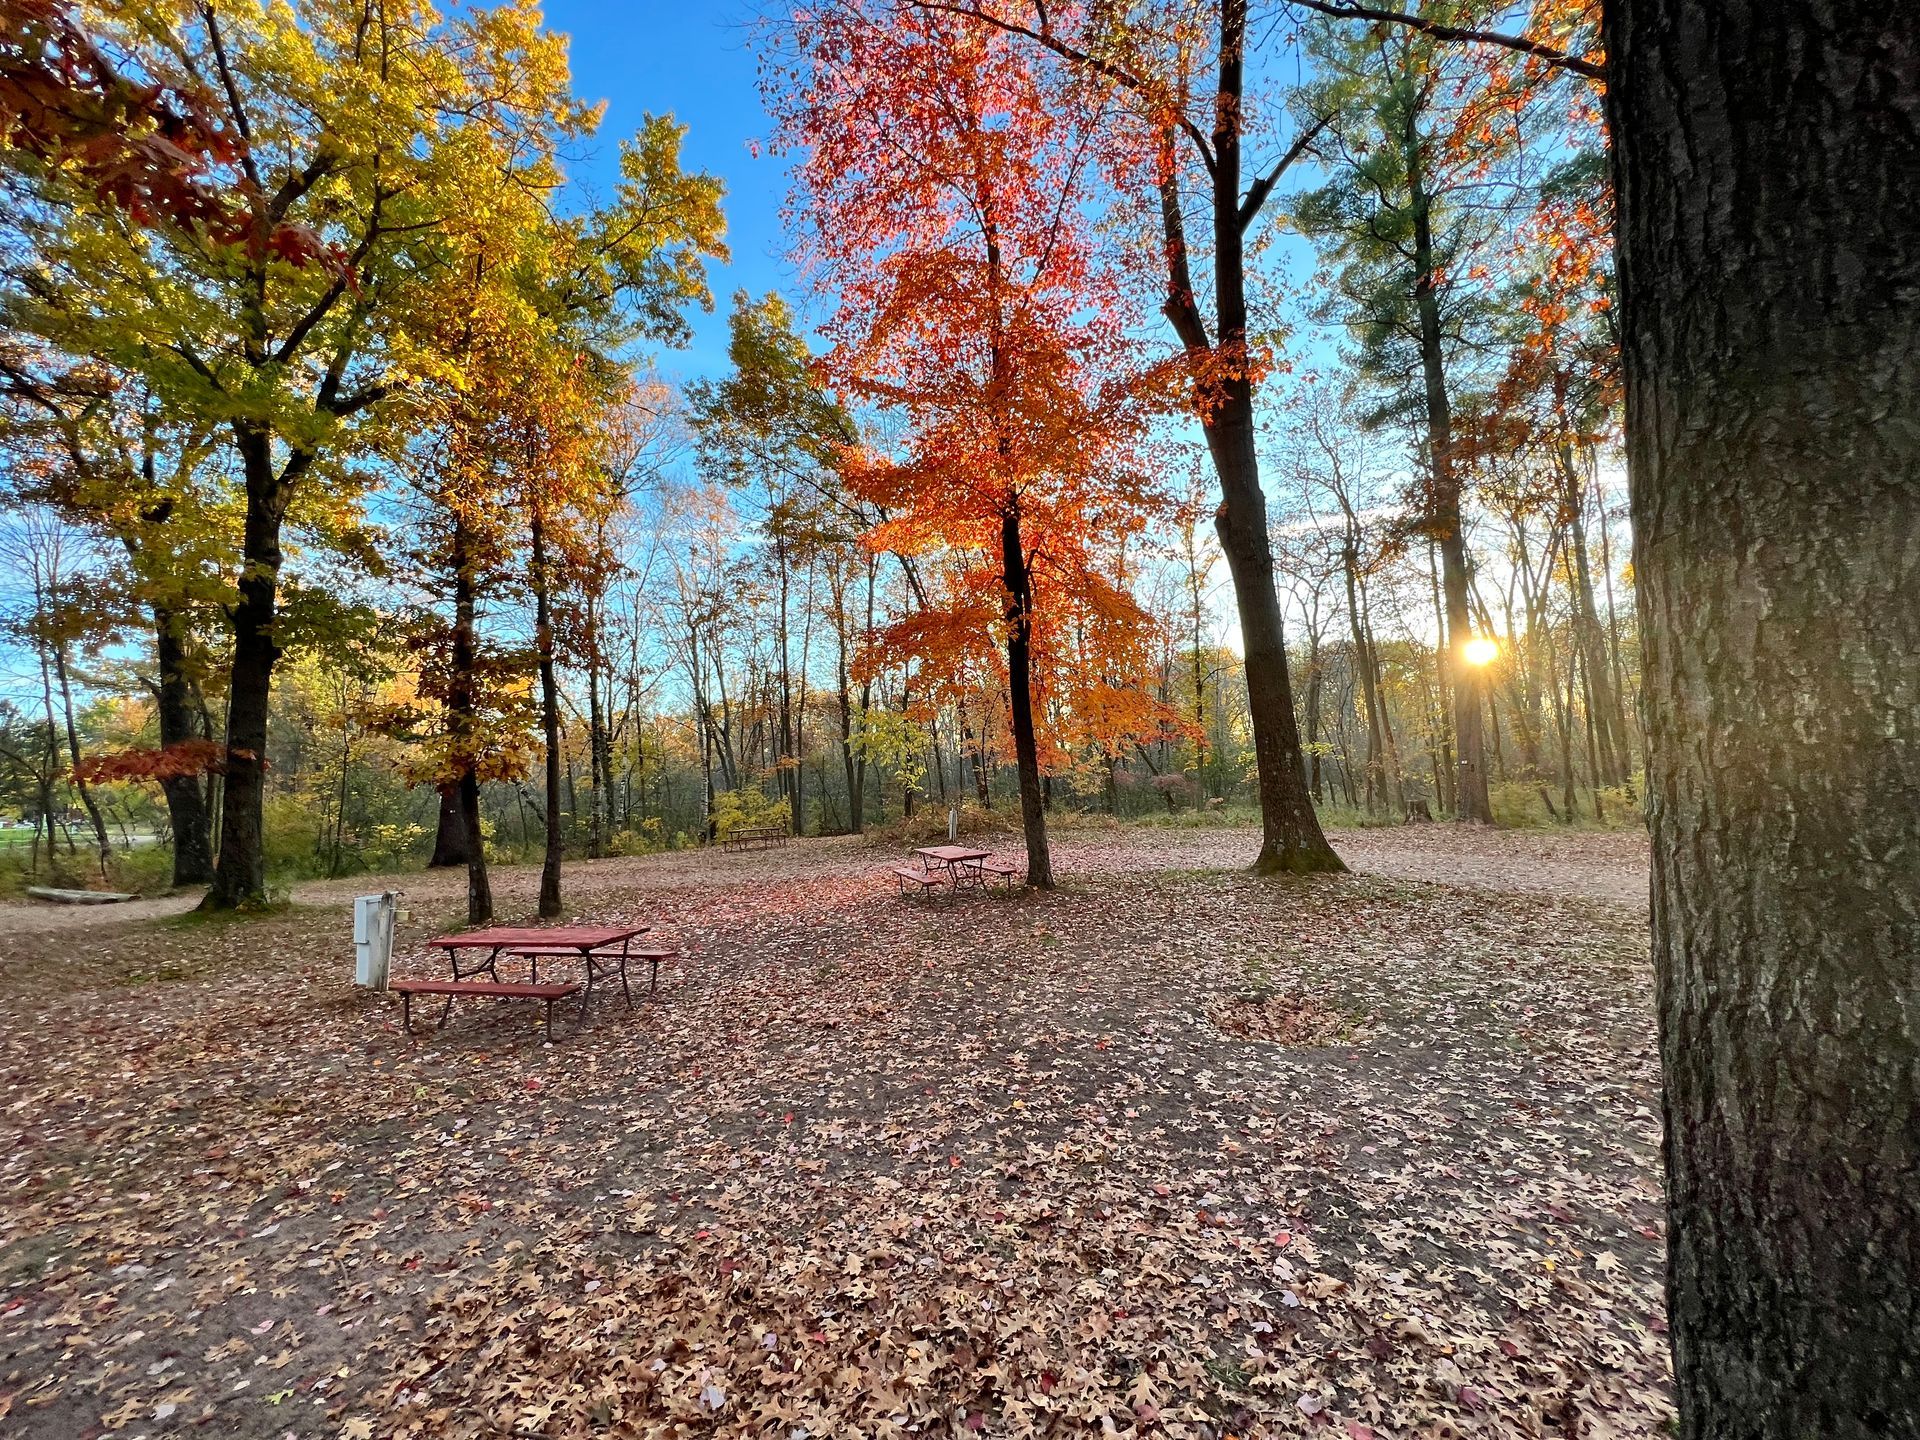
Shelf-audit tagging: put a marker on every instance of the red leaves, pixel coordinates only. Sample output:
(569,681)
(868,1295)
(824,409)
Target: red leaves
(947,183)
(183,758)
(151,149)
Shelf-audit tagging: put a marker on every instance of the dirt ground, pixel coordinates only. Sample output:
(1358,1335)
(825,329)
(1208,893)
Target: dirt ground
(1174,1151)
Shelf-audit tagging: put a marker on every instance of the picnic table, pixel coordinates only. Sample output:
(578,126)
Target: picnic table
(753,836)
(533,941)
(952,867)
(591,944)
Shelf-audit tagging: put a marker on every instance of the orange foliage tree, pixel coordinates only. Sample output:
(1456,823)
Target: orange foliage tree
(1168,80)
(944,200)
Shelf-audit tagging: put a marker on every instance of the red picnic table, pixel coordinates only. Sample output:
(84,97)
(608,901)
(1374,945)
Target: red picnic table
(589,943)
(958,867)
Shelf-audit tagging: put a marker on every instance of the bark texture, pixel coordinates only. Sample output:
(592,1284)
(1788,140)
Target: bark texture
(550,903)
(176,706)
(1026,745)
(1767,160)
(240,874)
(450,834)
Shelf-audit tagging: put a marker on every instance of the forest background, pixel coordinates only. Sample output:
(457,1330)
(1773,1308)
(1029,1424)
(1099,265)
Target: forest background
(559,556)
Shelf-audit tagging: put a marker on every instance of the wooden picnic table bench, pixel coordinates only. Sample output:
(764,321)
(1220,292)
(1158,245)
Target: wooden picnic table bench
(1004,870)
(755,835)
(922,879)
(591,943)
(613,960)
(953,868)
(485,989)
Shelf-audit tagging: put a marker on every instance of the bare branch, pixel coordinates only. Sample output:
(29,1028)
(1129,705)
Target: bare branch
(1045,36)
(1263,187)
(1559,59)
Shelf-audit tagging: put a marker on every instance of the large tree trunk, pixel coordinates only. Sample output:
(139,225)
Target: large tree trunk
(1767,165)
(1291,839)
(450,833)
(550,905)
(462,703)
(1026,746)
(187,812)
(240,875)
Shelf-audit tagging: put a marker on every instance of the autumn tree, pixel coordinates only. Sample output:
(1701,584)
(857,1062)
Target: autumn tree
(94,445)
(943,201)
(349,122)
(152,144)
(527,316)
(1185,117)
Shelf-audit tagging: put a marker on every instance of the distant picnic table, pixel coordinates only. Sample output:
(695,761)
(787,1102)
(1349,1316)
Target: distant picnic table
(754,837)
(591,944)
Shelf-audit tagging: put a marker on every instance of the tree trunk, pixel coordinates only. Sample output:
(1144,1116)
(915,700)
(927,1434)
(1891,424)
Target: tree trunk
(187,811)
(1608,736)
(597,759)
(550,905)
(240,875)
(1444,775)
(462,702)
(1291,839)
(450,834)
(1767,167)
(1026,746)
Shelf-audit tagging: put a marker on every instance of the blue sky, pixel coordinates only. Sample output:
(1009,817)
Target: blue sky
(693,60)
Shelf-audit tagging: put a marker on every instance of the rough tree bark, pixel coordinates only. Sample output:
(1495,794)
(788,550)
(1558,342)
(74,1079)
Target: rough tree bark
(240,874)
(450,833)
(550,904)
(188,814)
(1026,748)
(462,720)
(1767,166)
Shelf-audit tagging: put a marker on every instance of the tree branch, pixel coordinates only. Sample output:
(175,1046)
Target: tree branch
(1139,85)
(1559,59)
(1258,192)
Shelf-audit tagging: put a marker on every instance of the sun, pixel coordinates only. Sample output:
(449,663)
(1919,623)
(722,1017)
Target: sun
(1480,650)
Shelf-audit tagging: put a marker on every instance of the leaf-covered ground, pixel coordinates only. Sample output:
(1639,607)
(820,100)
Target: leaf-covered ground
(1172,1152)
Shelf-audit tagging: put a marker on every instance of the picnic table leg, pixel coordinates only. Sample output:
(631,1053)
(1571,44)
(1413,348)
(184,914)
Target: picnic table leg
(406,1011)
(549,1021)
(623,972)
(443,1016)
(584,999)
(653,982)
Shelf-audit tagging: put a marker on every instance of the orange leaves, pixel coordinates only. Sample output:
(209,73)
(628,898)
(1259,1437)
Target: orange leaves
(183,758)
